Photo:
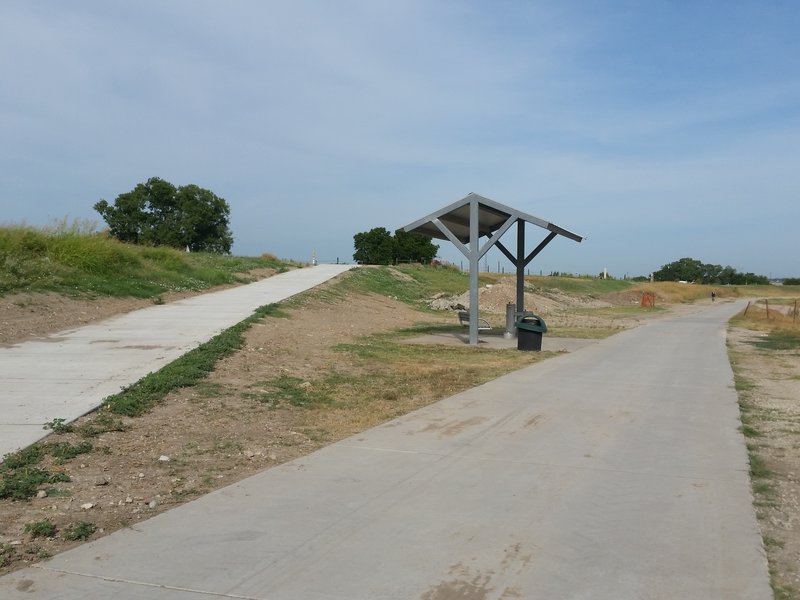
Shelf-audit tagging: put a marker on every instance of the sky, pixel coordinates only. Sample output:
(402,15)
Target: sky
(657,129)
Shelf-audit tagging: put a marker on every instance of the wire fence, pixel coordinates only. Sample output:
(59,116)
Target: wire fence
(779,311)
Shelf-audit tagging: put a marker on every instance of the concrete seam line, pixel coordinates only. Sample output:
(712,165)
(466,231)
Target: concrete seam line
(146,584)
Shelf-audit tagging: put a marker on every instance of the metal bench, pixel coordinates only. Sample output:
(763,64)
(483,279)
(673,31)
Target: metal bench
(463,319)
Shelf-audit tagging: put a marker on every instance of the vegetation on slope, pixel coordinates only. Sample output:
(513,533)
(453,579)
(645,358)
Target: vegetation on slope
(72,259)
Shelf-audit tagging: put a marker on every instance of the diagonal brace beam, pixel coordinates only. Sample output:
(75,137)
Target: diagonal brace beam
(450,236)
(496,236)
(539,248)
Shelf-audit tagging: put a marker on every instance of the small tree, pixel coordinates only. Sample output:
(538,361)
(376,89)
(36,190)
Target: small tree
(159,214)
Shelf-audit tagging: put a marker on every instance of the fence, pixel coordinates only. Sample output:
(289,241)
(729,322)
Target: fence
(779,311)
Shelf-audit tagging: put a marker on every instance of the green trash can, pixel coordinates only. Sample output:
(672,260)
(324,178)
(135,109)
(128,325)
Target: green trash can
(530,329)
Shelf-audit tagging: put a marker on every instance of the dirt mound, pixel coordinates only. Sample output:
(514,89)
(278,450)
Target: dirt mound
(493,298)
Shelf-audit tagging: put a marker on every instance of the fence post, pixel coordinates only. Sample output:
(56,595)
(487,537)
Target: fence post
(766,301)
(746,308)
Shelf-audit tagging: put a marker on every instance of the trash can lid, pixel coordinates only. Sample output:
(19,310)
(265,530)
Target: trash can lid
(532,322)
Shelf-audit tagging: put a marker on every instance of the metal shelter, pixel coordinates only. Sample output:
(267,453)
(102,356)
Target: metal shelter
(466,221)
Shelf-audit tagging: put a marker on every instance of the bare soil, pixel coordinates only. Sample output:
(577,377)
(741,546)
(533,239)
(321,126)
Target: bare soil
(771,389)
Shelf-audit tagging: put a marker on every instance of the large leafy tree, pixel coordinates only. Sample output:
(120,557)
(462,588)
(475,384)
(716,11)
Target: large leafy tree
(378,247)
(374,247)
(685,269)
(412,247)
(158,213)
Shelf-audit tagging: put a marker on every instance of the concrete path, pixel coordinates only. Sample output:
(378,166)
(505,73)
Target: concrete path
(614,472)
(69,374)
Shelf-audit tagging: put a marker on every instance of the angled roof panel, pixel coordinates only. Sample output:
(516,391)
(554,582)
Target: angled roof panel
(491,217)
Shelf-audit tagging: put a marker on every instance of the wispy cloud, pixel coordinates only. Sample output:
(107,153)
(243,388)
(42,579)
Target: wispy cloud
(323,119)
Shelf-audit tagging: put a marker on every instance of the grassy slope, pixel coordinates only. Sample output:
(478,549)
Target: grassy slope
(70,261)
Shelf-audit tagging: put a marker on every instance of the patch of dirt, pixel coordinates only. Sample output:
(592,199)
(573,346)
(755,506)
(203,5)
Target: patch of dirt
(772,388)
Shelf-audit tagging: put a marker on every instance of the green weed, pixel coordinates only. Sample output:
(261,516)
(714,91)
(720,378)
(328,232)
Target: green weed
(43,528)
(758,467)
(26,457)
(63,451)
(101,422)
(6,554)
(58,426)
(207,389)
(763,488)
(81,530)
(741,383)
(38,552)
(778,339)
(22,483)
(20,478)
(289,390)
(749,431)
(781,592)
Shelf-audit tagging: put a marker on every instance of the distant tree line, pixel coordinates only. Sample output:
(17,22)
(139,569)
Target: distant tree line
(379,247)
(791,281)
(692,270)
(157,213)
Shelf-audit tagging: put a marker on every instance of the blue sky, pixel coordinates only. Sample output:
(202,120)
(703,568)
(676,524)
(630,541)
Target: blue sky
(657,129)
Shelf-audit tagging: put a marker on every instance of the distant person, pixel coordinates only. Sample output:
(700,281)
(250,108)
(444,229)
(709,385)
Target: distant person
(713,295)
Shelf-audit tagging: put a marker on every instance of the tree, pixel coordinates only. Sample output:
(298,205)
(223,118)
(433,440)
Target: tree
(374,247)
(412,247)
(685,269)
(690,269)
(378,247)
(159,214)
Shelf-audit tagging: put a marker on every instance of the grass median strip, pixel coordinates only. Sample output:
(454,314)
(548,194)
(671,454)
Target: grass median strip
(186,371)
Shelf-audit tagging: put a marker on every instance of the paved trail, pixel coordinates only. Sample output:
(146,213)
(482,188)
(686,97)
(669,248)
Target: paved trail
(615,472)
(68,374)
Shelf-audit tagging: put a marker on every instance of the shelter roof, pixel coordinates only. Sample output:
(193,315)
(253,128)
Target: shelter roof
(491,217)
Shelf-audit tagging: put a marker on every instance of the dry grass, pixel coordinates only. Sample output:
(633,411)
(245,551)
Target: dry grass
(776,313)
